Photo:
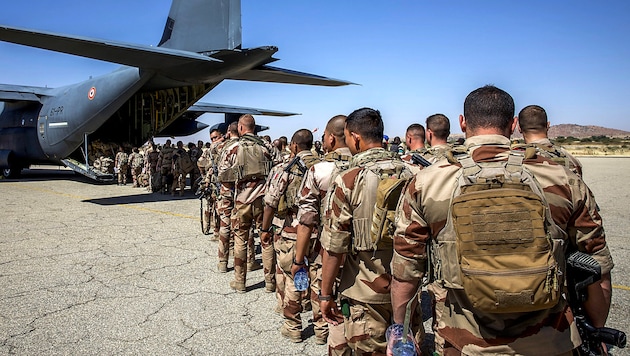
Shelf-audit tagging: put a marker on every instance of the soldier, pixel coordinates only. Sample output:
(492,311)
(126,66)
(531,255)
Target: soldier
(195,152)
(438,130)
(137,162)
(526,325)
(281,200)
(225,200)
(310,200)
(414,139)
(165,164)
(122,165)
(151,162)
(533,124)
(251,160)
(350,207)
(181,167)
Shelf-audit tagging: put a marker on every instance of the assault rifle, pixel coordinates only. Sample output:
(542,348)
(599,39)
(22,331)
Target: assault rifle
(301,166)
(582,271)
(417,159)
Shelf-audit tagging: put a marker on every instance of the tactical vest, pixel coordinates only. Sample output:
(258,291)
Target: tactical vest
(137,160)
(381,181)
(551,152)
(500,244)
(123,158)
(183,162)
(167,157)
(251,161)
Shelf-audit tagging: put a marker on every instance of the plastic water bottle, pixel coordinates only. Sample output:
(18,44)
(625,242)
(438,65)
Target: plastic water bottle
(301,278)
(395,343)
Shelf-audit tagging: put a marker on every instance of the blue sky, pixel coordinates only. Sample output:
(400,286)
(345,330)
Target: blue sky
(411,59)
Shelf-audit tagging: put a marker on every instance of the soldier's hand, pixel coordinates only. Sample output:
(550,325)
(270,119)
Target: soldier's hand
(330,312)
(265,238)
(294,269)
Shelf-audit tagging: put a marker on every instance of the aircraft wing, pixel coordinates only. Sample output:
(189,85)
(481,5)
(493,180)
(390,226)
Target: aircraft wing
(22,93)
(203,108)
(116,52)
(271,74)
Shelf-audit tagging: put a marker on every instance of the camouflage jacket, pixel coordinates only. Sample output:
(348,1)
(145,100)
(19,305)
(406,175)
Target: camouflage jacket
(315,185)
(365,275)
(247,191)
(547,149)
(422,214)
(277,185)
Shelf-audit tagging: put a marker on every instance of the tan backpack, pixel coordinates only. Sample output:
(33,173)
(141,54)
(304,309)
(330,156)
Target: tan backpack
(382,182)
(251,161)
(500,243)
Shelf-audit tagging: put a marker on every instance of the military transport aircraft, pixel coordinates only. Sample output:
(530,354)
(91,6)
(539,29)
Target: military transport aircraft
(154,93)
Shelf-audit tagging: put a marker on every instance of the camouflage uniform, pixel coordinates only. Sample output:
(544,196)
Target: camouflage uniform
(165,163)
(310,198)
(365,277)
(278,183)
(151,164)
(546,148)
(408,159)
(179,174)
(422,213)
(248,209)
(224,204)
(122,163)
(136,161)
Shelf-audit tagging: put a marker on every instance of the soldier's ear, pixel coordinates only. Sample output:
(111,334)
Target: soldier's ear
(462,123)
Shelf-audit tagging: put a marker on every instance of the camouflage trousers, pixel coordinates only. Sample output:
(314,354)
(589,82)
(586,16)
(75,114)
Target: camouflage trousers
(135,174)
(364,329)
(167,174)
(244,217)
(179,180)
(224,206)
(122,173)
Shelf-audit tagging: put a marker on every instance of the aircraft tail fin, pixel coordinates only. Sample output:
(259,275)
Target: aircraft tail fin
(203,25)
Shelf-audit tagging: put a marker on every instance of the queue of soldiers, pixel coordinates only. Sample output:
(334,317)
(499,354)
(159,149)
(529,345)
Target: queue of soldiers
(484,225)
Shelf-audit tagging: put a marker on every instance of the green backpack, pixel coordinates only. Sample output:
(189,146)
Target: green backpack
(500,243)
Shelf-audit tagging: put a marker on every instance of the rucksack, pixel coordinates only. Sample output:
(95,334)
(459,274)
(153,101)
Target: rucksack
(124,158)
(296,168)
(500,243)
(184,163)
(138,160)
(373,218)
(251,161)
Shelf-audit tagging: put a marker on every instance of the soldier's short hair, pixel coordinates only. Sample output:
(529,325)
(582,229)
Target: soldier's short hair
(532,118)
(366,122)
(416,130)
(303,138)
(248,122)
(439,125)
(489,107)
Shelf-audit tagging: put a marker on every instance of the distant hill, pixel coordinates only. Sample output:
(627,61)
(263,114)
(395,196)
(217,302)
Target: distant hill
(580,131)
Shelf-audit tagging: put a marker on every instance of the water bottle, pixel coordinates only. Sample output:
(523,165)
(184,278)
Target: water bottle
(301,277)
(394,337)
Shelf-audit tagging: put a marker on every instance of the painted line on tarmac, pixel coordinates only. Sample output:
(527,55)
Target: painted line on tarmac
(618,286)
(79,197)
(135,207)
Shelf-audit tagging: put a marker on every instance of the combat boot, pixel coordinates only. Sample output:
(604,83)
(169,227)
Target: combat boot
(253,266)
(293,335)
(222,267)
(238,286)
(270,287)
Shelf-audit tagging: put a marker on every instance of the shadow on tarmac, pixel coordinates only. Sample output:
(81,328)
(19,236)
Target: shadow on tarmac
(140,198)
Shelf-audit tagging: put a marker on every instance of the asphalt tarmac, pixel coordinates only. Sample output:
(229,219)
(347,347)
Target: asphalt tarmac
(89,269)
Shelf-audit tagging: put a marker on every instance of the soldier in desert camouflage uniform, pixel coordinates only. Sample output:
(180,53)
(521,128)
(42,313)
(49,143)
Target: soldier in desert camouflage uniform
(438,130)
(165,164)
(364,286)
(310,198)
(281,198)
(136,161)
(122,164)
(151,164)
(249,189)
(460,328)
(225,200)
(533,124)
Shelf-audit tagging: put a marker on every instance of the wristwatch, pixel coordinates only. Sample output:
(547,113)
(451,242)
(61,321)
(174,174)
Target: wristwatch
(324,298)
(270,229)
